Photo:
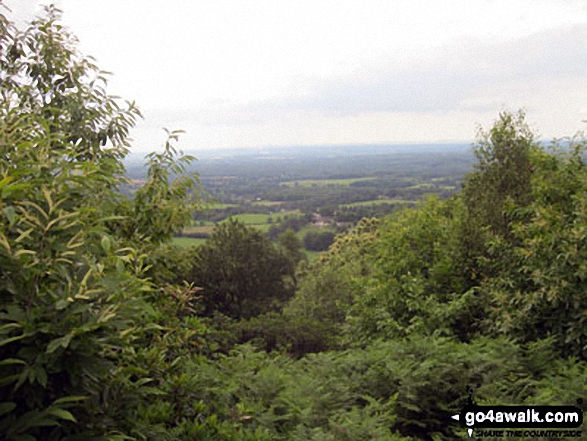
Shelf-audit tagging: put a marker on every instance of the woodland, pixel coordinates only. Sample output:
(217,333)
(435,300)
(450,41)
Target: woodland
(110,331)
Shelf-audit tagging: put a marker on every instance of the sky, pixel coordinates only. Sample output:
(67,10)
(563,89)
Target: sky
(257,73)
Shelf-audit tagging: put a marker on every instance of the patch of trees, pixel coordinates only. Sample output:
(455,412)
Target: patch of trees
(356,213)
(318,240)
(241,273)
(291,223)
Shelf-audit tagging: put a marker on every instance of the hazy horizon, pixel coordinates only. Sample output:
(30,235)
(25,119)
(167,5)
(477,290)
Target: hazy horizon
(255,74)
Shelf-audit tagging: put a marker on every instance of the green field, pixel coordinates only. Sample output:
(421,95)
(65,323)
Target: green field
(324,182)
(267,203)
(251,218)
(428,186)
(257,219)
(219,206)
(378,202)
(206,229)
(310,227)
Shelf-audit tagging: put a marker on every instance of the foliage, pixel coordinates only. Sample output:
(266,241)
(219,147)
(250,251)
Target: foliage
(416,284)
(538,288)
(502,180)
(329,285)
(318,241)
(241,273)
(292,247)
(296,336)
(72,292)
(403,389)
(166,202)
(101,327)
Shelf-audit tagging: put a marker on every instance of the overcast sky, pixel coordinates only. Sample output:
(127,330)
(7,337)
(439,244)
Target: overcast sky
(237,73)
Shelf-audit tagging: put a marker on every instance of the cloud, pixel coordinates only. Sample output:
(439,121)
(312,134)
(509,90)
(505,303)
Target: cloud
(456,78)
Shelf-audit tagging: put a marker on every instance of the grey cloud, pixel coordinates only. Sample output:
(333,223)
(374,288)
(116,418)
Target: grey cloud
(447,81)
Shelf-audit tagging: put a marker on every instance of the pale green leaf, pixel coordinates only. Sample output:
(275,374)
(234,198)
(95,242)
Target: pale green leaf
(61,413)
(7,406)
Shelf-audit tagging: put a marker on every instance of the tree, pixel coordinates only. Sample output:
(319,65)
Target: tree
(241,272)
(538,288)
(72,290)
(318,240)
(501,181)
(292,247)
(503,172)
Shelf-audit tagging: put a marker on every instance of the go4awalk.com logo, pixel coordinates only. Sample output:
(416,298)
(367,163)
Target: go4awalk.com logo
(522,421)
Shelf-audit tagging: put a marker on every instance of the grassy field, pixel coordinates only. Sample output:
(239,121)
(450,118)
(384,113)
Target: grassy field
(207,229)
(324,182)
(428,186)
(251,218)
(378,202)
(220,206)
(256,219)
(267,203)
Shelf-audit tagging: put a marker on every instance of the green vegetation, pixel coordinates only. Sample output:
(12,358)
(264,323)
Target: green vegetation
(324,182)
(378,202)
(262,219)
(108,330)
(188,242)
(241,273)
(267,203)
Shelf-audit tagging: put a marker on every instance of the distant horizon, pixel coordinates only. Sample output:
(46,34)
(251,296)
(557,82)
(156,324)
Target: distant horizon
(237,74)
(317,148)
(207,152)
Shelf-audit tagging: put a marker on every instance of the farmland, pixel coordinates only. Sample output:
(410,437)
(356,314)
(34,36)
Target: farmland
(319,191)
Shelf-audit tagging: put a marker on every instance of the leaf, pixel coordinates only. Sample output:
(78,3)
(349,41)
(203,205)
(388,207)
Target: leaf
(5,243)
(37,207)
(105,242)
(70,399)
(7,190)
(10,214)
(34,418)
(143,381)
(23,235)
(60,218)
(40,375)
(62,304)
(7,406)
(8,361)
(10,326)
(62,341)
(5,181)
(11,339)
(61,413)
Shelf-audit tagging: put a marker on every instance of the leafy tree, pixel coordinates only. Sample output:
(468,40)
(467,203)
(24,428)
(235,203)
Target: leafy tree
(502,179)
(329,286)
(241,273)
(292,248)
(538,287)
(72,290)
(318,241)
